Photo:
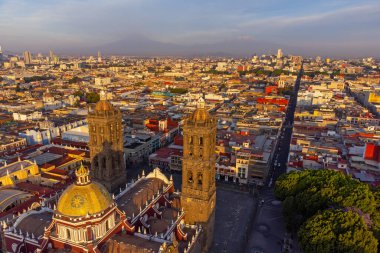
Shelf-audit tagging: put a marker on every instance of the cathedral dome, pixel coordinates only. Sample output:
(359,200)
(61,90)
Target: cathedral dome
(103,105)
(200,114)
(84,197)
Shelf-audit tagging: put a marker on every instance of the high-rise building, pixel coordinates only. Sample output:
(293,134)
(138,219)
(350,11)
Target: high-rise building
(198,171)
(27,57)
(106,145)
(280,54)
(99,56)
(51,54)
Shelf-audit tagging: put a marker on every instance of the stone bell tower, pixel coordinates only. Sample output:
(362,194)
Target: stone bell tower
(198,171)
(106,145)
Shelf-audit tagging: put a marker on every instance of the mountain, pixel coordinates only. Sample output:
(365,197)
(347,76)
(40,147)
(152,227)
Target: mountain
(137,45)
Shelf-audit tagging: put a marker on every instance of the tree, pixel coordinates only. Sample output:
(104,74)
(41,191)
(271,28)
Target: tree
(151,69)
(75,79)
(92,97)
(337,231)
(178,90)
(37,78)
(78,93)
(311,192)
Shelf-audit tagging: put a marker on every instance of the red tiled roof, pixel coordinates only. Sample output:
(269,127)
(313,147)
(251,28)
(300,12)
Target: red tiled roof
(34,189)
(372,152)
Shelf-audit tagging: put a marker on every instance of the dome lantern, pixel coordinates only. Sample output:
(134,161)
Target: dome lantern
(201,102)
(82,175)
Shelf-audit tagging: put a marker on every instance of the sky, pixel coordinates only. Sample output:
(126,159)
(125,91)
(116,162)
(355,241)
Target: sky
(327,27)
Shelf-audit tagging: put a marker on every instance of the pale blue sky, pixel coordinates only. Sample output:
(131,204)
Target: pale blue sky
(331,25)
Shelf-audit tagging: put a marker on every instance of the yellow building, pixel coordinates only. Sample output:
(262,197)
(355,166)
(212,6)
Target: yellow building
(13,173)
(374,98)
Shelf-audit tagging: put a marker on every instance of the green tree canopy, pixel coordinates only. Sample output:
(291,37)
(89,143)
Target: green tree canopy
(178,90)
(310,192)
(75,79)
(92,97)
(37,78)
(337,231)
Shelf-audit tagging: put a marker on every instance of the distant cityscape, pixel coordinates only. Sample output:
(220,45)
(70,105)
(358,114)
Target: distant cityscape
(263,154)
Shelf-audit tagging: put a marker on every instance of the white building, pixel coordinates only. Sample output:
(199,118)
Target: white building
(44,136)
(101,81)
(19,116)
(78,134)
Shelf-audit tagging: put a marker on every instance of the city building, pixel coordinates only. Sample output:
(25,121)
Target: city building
(27,57)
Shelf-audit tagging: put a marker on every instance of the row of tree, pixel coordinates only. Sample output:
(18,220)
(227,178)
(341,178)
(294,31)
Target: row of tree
(178,90)
(37,78)
(89,97)
(330,211)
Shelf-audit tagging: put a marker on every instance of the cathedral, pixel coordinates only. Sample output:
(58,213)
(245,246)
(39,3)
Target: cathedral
(143,216)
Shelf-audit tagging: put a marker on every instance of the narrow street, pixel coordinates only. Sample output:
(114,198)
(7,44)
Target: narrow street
(268,233)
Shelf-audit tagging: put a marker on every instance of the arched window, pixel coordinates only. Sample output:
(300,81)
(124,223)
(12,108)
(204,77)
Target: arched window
(107,225)
(190,177)
(199,179)
(201,141)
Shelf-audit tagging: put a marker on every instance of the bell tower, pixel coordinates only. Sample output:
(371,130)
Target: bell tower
(198,171)
(106,144)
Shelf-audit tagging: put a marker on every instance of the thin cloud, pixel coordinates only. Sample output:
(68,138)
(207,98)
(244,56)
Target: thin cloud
(325,17)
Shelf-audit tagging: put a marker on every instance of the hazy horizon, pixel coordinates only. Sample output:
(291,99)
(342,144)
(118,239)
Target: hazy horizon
(340,28)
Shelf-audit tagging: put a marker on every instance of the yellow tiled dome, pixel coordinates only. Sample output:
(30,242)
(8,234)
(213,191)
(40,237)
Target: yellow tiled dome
(84,197)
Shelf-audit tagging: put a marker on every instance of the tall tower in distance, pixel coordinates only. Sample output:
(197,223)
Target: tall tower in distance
(280,54)
(27,57)
(106,145)
(198,171)
(99,56)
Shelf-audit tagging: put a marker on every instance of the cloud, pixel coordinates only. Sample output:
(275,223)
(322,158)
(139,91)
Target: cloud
(318,18)
(74,24)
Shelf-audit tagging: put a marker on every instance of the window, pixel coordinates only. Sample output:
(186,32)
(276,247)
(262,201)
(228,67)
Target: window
(107,225)
(190,177)
(200,179)
(68,235)
(201,141)
(241,172)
